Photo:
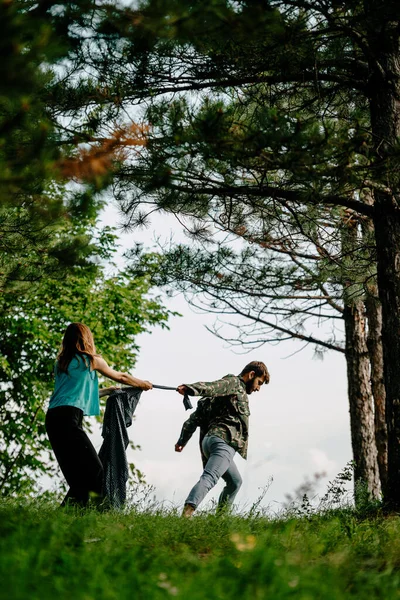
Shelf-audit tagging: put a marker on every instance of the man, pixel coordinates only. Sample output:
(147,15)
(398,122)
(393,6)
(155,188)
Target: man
(223,418)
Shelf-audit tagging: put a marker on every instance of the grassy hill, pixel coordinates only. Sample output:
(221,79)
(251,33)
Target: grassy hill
(50,553)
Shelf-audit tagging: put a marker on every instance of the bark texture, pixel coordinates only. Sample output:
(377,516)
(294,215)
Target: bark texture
(374,342)
(361,400)
(358,368)
(384,94)
(388,249)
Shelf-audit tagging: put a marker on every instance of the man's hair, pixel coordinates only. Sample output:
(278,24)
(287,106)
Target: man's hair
(259,369)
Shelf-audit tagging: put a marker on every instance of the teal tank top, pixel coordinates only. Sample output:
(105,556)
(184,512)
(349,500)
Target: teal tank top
(79,387)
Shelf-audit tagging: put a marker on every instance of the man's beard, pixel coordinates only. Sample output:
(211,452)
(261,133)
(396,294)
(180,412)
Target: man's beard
(249,385)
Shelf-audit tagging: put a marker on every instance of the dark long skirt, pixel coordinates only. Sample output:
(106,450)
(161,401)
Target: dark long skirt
(75,454)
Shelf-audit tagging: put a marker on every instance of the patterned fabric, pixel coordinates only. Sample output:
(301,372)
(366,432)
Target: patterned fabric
(223,412)
(199,418)
(120,406)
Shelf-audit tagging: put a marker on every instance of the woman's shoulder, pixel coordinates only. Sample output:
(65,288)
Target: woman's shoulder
(80,361)
(98,361)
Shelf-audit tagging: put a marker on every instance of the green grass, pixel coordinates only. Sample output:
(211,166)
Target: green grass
(50,553)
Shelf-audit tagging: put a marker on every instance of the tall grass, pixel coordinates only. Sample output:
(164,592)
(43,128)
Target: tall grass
(151,553)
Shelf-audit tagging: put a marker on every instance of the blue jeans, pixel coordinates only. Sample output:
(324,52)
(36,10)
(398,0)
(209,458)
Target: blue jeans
(219,464)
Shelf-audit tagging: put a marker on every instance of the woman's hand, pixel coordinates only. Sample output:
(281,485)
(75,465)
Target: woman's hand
(182,389)
(145,385)
(108,390)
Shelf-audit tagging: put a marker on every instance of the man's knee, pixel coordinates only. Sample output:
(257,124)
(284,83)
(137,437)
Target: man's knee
(233,483)
(210,478)
(238,482)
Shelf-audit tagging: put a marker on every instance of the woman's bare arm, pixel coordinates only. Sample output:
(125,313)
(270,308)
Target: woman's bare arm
(100,365)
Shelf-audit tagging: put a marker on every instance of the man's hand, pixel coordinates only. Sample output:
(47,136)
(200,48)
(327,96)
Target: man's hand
(182,389)
(178,448)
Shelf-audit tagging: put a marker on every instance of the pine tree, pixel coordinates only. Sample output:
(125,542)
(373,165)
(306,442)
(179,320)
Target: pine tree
(280,103)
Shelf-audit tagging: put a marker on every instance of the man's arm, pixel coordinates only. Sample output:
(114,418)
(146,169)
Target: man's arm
(188,429)
(222,387)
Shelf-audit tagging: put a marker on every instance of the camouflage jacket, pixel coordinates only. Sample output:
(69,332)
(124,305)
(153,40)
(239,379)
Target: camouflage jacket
(224,412)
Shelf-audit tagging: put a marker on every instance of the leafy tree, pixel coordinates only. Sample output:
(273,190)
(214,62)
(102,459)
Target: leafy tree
(49,259)
(42,222)
(302,113)
(321,80)
(117,308)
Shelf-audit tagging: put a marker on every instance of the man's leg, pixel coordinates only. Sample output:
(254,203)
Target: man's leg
(233,482)
(220,456)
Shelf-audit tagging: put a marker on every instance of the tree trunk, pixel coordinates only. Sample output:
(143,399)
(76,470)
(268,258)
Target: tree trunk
(384,95)
(374,343)
(358,367)
(388,251)
(360,398)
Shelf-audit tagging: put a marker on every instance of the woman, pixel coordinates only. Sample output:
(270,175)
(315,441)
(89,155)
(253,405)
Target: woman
(76,393)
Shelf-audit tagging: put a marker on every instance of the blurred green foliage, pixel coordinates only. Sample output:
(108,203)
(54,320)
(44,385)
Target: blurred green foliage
(54,261)
(117,308)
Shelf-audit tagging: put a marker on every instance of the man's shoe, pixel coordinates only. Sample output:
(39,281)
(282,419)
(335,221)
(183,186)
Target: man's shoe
(188,511)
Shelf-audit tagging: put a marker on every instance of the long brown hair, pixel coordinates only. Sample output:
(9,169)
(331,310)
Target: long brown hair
(78,339)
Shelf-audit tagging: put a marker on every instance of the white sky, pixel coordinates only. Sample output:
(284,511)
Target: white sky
(299,423)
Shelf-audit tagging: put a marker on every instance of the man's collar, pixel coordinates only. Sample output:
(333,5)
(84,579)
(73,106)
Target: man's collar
(242,382)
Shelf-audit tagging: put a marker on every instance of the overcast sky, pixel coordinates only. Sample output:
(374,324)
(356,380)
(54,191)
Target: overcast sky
(299,423)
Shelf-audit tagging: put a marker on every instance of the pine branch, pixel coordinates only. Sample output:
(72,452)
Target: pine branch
(278,193)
